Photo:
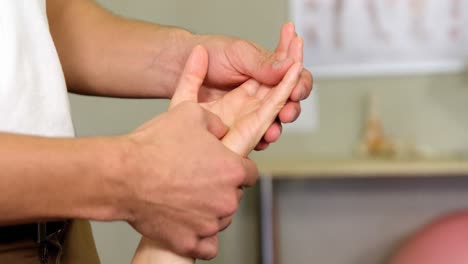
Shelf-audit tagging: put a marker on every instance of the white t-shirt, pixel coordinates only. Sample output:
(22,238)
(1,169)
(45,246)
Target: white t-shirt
(33,94)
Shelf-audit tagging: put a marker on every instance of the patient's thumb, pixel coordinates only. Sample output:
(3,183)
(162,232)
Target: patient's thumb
(192,77)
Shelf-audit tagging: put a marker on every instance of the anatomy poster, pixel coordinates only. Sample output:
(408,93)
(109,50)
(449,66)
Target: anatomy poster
(359,37)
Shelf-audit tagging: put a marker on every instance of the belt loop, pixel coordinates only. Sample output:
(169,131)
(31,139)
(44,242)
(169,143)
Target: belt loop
(41,232)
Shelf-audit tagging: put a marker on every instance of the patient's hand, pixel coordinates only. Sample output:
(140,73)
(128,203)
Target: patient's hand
(248,110)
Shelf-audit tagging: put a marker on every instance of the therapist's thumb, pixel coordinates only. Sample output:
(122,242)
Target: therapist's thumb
(258,63)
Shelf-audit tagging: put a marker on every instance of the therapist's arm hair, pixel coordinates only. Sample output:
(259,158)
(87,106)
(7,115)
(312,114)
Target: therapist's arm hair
(105,54)
(44,179)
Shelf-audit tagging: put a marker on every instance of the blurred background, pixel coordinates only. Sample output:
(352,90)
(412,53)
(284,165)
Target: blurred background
(348,188)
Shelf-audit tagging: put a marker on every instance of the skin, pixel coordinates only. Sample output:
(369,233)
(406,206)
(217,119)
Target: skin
(132,177)
(171,188)
(128,58)
(248,111)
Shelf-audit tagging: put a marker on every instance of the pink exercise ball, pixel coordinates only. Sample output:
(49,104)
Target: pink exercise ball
(444,241)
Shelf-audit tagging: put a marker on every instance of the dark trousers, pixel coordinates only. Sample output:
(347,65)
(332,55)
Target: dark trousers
(74,246)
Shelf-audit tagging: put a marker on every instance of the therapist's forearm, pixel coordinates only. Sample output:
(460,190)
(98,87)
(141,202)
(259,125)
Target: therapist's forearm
(44,178)
(103,54)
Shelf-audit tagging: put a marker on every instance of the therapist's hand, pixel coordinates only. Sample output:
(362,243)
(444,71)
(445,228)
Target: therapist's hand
(248,110)
(234,61)
(184,183)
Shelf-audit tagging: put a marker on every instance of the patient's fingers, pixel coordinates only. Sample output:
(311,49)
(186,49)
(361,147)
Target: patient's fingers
(192,77)
(279,95)
(243,137)
(296,49)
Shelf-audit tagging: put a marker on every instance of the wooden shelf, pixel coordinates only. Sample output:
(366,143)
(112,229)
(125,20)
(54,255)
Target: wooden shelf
(285,169)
